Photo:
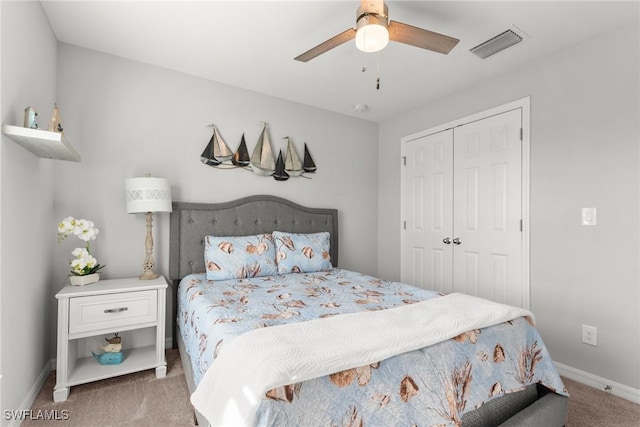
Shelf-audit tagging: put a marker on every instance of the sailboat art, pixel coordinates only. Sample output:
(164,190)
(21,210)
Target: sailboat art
(280,174)
(216,151)
(308,165)
(292,163)
(241,157)
(262,161)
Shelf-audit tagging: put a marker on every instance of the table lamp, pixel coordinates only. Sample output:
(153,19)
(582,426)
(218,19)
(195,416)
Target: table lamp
(148,195)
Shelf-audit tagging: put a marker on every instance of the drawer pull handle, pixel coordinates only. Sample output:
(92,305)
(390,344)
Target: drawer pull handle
(116,310)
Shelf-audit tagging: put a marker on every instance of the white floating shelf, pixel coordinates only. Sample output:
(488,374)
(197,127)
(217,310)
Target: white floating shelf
(42,143)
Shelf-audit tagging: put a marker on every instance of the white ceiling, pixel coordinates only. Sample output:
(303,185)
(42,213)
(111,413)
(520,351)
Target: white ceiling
(252,44)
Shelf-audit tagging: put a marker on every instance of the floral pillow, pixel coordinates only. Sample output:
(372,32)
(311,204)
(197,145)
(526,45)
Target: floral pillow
(239,257)
(302,253)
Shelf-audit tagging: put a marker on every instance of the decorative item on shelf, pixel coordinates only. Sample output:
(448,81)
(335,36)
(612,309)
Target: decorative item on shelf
(54,123)
(308,165)
(109,358)
(30,115)
(114,344)
(148,195)
(262,161)
(84,267)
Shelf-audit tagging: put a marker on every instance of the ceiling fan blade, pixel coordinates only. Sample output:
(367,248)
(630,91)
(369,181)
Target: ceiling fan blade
(323,47)
(425,39)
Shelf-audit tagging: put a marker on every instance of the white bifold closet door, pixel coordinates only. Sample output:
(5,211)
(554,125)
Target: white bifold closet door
(462,204)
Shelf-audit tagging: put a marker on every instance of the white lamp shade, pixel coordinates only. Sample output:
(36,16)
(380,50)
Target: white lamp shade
(148,195)
(372,37)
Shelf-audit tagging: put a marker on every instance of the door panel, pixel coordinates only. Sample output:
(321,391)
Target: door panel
(428,209)
(487,205)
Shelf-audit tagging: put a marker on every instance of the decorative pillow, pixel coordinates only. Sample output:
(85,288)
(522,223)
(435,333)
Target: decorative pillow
(239,257)
(302,253)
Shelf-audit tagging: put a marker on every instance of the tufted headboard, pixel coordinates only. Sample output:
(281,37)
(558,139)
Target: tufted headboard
(191,222)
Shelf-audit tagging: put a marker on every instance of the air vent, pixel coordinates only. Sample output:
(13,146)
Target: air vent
(496,44)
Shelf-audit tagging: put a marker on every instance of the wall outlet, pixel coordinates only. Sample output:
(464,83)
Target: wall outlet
(590,335)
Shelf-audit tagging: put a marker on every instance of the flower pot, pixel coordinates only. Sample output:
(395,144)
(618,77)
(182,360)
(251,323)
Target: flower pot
(84,280)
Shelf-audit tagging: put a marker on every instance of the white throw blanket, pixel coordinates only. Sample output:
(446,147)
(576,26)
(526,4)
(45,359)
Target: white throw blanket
(259,360)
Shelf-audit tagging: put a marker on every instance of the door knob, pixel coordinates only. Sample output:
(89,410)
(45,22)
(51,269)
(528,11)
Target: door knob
(457,241)
(446,240)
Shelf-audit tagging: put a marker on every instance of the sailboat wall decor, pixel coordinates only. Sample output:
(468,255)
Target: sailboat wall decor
(216,151)
(241,156)
(292,163)
(308,165)
(207,156)
(261,162)
(280,174)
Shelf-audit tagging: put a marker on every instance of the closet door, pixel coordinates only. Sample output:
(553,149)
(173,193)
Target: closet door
(428,211)
(487,207)
(462,209)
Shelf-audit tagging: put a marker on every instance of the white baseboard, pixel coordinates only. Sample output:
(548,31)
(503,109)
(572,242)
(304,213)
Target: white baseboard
(615,388)
(28,401)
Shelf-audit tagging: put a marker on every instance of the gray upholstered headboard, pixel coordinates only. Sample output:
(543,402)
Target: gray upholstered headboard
(191,222)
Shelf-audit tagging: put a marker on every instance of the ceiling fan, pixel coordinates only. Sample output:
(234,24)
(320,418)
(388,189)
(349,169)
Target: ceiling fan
(373,31)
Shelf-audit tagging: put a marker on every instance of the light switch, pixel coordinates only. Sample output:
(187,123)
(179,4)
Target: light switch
(589,216)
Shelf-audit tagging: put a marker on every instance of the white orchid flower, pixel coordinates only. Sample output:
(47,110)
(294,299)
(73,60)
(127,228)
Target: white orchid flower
(78,264)
(91,261)
(88,234)
(80,226)
(85,230)
(67,225)
(80,253)
(84,262)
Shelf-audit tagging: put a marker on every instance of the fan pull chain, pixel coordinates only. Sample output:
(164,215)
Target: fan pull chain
(378,72)
(364,69)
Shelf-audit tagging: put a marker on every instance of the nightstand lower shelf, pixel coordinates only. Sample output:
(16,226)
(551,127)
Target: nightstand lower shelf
(88,369)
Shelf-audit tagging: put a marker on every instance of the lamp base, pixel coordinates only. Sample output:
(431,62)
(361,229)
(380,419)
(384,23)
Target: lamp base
(148,275)
(148,264)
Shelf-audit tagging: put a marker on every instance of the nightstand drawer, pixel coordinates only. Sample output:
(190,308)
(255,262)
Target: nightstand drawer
(110,311)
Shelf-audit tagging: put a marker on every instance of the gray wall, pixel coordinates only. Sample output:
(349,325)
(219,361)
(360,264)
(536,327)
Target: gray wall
(584,153)
(27,227)
(128,119)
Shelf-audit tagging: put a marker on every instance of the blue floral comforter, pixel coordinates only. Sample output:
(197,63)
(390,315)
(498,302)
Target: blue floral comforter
(432,386)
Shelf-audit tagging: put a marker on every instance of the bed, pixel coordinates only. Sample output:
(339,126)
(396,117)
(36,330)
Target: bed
(480,376)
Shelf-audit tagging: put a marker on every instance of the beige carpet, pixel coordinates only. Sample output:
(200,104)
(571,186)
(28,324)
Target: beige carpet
(142,400)
(137,399)
(590,407)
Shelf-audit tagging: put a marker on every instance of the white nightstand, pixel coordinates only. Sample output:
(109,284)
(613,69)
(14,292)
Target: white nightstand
(92,312)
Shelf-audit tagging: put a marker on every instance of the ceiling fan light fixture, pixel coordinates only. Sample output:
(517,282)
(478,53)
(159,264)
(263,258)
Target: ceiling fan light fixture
(372,34)
(372,37)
